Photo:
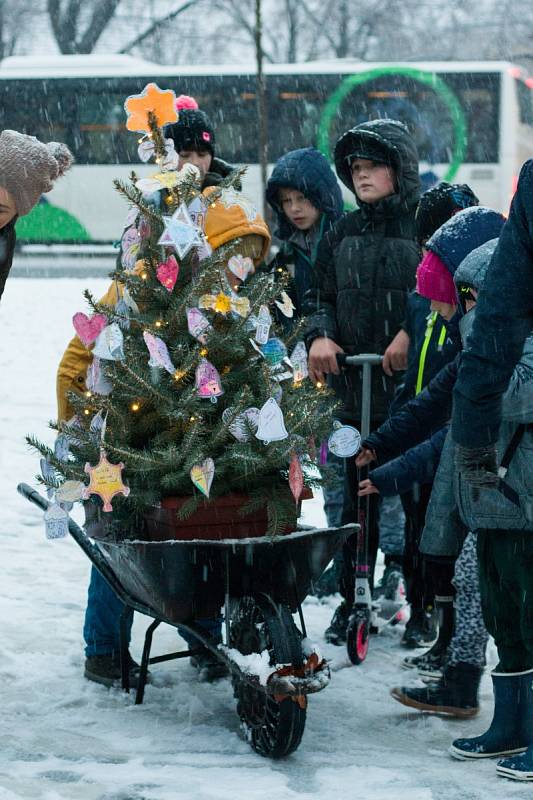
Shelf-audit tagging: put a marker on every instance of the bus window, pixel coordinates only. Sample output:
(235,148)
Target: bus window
(525,102)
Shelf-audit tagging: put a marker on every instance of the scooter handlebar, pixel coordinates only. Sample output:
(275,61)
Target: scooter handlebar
(360,360)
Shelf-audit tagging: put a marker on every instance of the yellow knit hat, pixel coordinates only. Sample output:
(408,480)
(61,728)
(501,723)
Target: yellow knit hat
(232,216)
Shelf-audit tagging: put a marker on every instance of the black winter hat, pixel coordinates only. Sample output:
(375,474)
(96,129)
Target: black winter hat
(192,131)
(439,204)
(376,140)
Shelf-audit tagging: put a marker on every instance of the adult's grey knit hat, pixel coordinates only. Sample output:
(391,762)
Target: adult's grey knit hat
(28,167)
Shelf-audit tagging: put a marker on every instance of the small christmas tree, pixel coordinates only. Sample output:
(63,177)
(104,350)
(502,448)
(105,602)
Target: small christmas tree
(192,386)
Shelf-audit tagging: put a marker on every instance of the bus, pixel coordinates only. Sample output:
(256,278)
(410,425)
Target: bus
(473,123)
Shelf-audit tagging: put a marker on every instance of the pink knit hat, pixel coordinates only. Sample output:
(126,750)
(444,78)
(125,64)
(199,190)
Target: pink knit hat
(434,280)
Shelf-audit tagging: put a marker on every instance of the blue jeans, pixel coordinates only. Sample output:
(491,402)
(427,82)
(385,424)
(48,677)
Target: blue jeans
(101,629)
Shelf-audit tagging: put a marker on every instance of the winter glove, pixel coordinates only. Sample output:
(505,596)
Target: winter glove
(477,465)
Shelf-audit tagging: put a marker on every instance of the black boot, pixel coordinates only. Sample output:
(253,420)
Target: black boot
(210,668)
(456,694)
(336,633)
(421,628)
(106,670)
(431,663)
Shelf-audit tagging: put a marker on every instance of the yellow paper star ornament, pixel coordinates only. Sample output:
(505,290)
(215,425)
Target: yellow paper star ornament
(162,103)
(105,481)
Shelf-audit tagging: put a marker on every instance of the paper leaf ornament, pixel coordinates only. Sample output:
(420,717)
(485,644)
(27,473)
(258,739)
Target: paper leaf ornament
(130,247)
(264,322)
(122,315)
(49,475)
(55,522)
(202,475)
(299,362)
(198,324)
(208,384)
(271,426)
(274,351)
(345,441)
(159,356)
(105,481)
(130,302)
(243,425)
(62,447)
(180,232)
(98,425)
(167,273)
(133,213)
(88,328)
(241,266)
(70,492)
(96,380)
(285,305)
(109,344)
(162,103)
(296,478)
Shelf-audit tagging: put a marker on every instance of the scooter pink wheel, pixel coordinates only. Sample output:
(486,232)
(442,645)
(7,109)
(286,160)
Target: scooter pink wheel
(357,641)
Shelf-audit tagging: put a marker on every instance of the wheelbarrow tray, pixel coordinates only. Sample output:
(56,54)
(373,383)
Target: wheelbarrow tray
(186,580)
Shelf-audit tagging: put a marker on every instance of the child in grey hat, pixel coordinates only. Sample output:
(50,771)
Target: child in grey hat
(28,169)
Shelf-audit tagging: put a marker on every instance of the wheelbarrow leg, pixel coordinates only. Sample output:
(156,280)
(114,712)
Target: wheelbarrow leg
(124,649)
(143,672)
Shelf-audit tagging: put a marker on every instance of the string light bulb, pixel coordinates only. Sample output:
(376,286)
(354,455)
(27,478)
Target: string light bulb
(86,411)
(192,419)
(144,275)
(203,352)
(158,323)
(88,393)
(135,406)
(319,384)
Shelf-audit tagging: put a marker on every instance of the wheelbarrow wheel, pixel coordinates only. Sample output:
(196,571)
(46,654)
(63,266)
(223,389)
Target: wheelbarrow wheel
(273,725)
(357,636)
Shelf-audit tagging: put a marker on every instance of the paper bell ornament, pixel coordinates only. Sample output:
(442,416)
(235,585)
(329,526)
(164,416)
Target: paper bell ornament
(271,426)
(299,362)
(105,481)
(167,273)
(296,478)
(208,384)
(159,356)
(162,103)
(202,475)
(264,321)
(109,344)
(198,324)
(88,328)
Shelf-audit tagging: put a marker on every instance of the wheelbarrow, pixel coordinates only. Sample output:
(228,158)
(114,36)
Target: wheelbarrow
(260,581)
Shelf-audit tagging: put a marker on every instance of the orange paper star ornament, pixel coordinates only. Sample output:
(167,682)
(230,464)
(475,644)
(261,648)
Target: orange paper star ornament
(162,103)
(106,481)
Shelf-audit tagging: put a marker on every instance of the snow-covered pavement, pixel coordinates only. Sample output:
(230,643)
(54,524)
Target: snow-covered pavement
(63,738)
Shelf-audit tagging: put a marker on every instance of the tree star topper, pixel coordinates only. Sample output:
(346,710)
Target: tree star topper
(106,481)
(180,232)
(162,103)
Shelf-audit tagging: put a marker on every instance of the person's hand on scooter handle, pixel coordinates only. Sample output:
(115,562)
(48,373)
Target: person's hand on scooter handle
(364,457)
(367,487)
(395,356)
(323,359)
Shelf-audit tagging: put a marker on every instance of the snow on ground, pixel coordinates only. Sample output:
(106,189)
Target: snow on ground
(62,737)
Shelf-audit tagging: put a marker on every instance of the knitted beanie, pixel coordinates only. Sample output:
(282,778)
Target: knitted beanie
(434,280)
(439,204)
(28,167)
(193,130)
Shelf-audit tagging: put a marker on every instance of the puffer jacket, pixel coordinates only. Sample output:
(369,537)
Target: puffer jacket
(307,171)
(504,319)
(366,266)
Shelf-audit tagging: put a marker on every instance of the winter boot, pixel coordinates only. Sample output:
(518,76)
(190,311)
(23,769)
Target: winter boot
(391,585)
(327,584)
(336,633)
(421,629)
(209,667)
(431,663)
(106,670)
(520,767)
(505,735)
(454,695)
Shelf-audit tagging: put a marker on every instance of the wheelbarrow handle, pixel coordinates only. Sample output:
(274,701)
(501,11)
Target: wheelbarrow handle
(82,540)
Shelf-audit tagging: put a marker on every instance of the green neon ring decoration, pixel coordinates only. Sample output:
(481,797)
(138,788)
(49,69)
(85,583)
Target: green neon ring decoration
(429,78)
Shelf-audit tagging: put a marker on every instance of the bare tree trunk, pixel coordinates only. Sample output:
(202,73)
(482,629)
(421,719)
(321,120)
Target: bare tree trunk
(65,24)
(262,112)
(291,8)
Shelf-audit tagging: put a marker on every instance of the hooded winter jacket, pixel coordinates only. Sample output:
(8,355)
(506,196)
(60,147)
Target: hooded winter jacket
(504,318)
(366,266)
(307,171)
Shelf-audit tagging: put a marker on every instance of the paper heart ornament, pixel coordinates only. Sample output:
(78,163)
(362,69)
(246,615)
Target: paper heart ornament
(88,328)
(241,266)
(159,356)
(240,426)
(167,273)
(296,477)
(271,423)
(202,475)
